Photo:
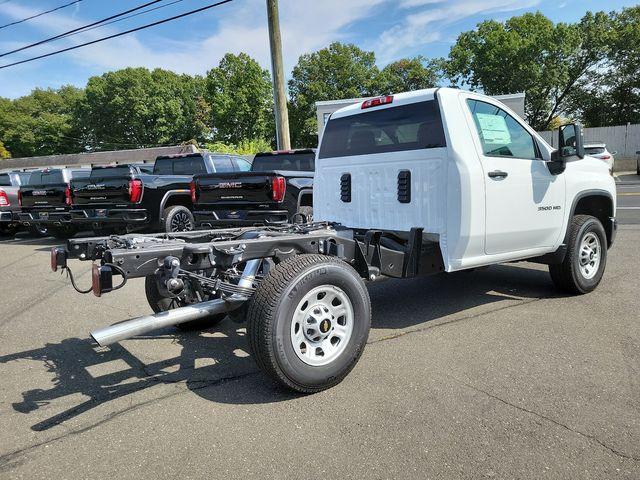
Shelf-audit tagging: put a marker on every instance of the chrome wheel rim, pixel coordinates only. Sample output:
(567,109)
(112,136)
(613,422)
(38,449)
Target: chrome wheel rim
(590,255)
(181,222)
(322,325)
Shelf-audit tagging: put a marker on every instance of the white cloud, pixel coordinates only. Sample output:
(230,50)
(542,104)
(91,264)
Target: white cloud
(427,25)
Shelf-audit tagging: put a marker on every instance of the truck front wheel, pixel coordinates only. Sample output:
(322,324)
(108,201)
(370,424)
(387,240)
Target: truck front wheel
(308,322)
(586,258)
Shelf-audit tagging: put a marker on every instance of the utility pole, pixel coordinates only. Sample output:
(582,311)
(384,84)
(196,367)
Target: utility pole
(277,70)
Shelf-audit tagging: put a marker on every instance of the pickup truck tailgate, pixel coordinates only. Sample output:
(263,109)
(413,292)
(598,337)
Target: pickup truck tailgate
(228,189)
(109,190)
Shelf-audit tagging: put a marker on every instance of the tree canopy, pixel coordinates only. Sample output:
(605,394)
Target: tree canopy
(41,123)
(337,72)
(4,153)
(135,108)
(531,54)
(240,94)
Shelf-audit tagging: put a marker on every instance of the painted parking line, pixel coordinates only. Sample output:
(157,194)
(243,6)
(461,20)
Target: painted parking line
(629,194)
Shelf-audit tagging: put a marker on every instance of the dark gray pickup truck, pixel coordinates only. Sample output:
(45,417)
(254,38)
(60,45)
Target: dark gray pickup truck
(46,199)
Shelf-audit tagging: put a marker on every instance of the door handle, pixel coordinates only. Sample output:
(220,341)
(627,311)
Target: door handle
(498,174)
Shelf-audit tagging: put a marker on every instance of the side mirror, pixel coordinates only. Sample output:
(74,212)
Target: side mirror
(571,141)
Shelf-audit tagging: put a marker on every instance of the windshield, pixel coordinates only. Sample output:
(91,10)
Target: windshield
(295,162)
(52,177)
(594,150)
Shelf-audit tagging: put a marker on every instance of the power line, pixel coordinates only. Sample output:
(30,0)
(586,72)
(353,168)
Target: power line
(79,29)
(5,1)
(137,29)
(40,14)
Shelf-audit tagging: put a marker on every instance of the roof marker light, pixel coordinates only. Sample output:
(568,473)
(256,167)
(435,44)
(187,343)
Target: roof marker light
(376,102)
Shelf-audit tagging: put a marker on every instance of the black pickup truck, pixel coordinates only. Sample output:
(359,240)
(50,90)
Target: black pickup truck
(277,188)
(46,198)
(125,198)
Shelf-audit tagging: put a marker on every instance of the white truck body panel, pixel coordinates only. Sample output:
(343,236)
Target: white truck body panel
(478,220)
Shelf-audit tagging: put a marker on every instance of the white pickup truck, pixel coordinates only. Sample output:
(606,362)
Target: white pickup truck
(413,184)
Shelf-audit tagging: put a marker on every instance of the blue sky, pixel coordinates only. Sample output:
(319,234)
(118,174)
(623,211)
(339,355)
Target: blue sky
(392,28)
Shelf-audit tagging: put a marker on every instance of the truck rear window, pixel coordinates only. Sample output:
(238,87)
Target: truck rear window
(5,181)
(408,127)
(180,166)
(110,172)
(294,162)
(46,178)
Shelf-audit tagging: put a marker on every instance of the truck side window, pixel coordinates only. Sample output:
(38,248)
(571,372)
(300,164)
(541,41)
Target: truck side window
(243,165)
(163,166)
(222,164)
(501,135)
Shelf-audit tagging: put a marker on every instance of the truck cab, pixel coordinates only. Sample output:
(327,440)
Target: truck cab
(462,167)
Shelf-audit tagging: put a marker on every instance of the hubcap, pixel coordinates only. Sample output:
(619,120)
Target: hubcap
(181,222)
(322,325)
(590,252)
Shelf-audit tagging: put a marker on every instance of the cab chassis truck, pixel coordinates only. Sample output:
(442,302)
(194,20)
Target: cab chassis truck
(419,183)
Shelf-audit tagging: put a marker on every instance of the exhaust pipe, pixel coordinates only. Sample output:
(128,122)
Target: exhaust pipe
(142,325)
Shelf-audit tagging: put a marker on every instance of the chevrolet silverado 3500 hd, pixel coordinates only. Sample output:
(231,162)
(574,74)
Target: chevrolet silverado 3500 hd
(418,183)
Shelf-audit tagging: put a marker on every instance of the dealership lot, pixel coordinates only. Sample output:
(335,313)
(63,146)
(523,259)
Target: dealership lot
(482,374)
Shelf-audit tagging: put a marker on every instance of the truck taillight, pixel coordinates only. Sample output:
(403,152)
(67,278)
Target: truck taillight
(278,189)
(135,190)
(194,193)
(68,197)
(605,157)
(20,197)
(4,199)
(376,102)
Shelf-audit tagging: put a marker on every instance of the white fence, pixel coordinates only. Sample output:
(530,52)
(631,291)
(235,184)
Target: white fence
(623,139)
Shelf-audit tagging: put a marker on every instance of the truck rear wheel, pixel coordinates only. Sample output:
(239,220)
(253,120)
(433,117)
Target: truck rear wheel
(178,219)
(159,303)
(308,322)
(586,258)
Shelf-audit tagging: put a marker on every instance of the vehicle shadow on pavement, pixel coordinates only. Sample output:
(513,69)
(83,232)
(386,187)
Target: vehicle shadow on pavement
(218,358)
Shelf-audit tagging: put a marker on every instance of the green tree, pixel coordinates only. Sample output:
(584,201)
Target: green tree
(241,97)
(408,74)
(337,72)
(530,54)
(41,123)
(137,108)
(611,95)
(4,153)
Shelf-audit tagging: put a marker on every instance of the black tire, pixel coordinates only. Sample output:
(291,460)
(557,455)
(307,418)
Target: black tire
(39,230)
(178,219)
(158,304)
(270,318)
(307,212)
(63,232)
(568,276)
(8,230)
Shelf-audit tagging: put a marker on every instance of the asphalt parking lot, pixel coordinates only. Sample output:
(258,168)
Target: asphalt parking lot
(488,374)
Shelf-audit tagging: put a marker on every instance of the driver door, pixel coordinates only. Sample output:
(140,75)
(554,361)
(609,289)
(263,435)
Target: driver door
(524,201)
